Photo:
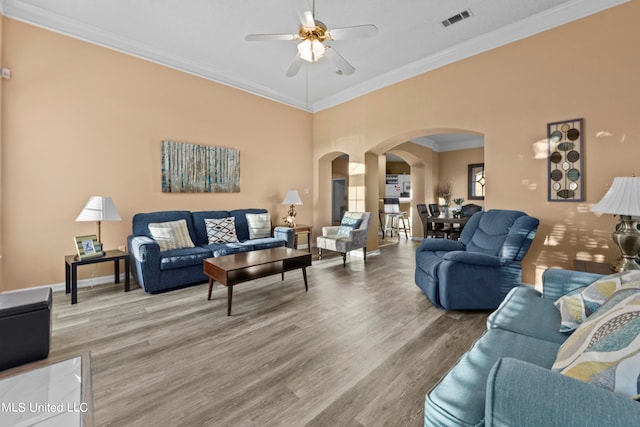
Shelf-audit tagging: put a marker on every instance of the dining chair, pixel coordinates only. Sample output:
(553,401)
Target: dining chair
(465,212)
(470,209)
(439,229)
(427,226)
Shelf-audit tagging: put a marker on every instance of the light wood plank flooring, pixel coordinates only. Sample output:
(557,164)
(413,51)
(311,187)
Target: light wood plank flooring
(361,348)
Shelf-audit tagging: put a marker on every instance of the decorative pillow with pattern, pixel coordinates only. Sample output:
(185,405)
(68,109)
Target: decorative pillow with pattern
(171,235)
(259,225)
(605,349)
(221,230)
(577,306)
(350,221)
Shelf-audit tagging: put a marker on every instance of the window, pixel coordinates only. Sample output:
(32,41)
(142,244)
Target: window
(476,181)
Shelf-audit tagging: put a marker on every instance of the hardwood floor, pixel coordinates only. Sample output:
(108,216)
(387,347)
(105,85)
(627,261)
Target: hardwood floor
(361,348)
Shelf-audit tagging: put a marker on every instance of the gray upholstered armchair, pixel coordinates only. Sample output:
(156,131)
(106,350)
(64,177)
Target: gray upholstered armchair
(351,234)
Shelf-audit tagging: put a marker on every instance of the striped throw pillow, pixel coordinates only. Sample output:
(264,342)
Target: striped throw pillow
(171,235)
(259,225)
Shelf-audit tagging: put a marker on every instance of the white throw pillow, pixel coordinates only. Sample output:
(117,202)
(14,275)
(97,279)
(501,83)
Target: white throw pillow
(259,225)
(171,235)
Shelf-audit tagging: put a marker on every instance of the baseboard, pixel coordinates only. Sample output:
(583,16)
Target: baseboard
(82,283)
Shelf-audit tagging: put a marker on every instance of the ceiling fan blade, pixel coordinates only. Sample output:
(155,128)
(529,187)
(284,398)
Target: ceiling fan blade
(266,37)
(343,66)
(305,14)
(295,65)
(355,32)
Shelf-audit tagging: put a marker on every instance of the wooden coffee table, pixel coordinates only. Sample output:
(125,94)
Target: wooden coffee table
(230,270)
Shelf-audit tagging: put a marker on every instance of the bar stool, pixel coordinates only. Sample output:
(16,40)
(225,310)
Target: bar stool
(393,215)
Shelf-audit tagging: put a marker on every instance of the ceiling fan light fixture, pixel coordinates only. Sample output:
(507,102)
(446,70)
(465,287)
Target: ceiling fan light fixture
(311,50)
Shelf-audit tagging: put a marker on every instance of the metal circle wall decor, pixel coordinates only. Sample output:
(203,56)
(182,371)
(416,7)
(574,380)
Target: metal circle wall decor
(566,161)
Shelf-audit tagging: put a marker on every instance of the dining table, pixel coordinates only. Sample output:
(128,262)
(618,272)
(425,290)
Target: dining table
(449,220)
(455,224)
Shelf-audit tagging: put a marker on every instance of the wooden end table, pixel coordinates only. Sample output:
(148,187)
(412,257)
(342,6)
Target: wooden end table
(230,270)
(71,263)
(302,229)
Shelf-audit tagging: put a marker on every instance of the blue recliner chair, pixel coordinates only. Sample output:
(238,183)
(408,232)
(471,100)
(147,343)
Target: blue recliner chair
(477,271)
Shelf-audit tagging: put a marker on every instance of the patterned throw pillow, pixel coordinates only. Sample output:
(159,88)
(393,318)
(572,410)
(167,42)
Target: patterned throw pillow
(221,230)
(350,221)
(171,235)
(605,349)
(577,306)
(259,225)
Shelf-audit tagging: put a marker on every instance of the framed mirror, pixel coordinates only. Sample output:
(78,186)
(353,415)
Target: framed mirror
(476,181)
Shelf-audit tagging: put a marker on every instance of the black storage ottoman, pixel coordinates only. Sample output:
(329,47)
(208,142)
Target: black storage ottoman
(25,326)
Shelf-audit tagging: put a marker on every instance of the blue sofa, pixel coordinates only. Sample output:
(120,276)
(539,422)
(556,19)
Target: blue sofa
(505,378)
(159,271)
(477,271)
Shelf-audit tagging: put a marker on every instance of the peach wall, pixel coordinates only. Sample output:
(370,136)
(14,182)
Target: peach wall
(454,168)
(587,69)
(71,105)
(82,120)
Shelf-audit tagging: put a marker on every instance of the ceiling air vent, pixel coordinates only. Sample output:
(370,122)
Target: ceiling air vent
(457,18)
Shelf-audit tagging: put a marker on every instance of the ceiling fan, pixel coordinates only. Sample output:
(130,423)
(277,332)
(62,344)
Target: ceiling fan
(313,35)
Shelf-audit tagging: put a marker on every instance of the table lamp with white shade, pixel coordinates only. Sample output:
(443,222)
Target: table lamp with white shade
(292,199)
(623,198)
(99,208)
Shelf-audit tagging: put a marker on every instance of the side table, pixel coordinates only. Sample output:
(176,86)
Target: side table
(71,264)
(302,229)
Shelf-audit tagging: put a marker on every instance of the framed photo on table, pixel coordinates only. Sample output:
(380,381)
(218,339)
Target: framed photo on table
(88,246)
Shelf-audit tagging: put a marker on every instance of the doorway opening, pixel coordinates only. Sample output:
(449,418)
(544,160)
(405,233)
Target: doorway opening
(338,199)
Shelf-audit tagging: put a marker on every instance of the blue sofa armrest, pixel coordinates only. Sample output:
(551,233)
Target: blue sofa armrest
(287,234)
(557,282)
(145,257)
(475,258)
(524,395)
(434,245)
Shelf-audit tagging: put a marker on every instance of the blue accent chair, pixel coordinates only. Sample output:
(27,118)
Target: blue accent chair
(477,271)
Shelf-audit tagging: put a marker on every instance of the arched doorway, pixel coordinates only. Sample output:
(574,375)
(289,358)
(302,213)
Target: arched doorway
(442,156)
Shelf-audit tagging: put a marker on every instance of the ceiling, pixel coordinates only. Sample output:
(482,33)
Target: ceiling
(207,37)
